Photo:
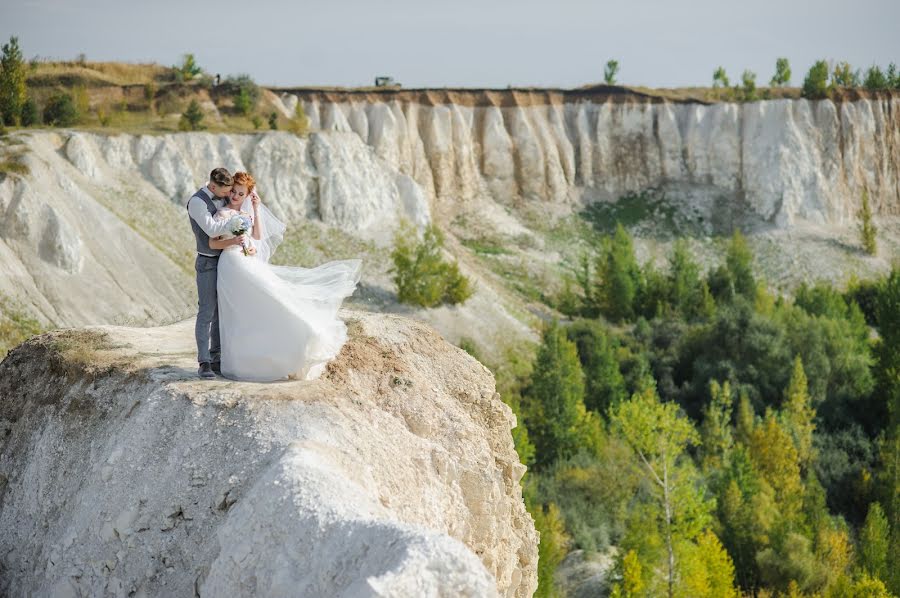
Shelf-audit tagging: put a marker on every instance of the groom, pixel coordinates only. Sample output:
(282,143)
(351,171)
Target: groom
(201,208)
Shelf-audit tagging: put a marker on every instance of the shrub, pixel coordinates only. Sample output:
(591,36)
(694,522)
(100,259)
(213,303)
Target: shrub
(720,79)
(748,85)
(867,230)
(273,121)
(875,79)
(609,74)
(30,114)
(188,69)
(421,274)
(192,118)
(257,121)
(844,75)
(244,91)
(815,85)
(782,74)
(299,125)
(60,111)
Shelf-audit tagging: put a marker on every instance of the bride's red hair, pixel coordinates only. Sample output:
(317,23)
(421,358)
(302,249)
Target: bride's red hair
(245,179)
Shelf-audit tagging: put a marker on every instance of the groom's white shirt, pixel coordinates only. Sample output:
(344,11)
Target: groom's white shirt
(198,211)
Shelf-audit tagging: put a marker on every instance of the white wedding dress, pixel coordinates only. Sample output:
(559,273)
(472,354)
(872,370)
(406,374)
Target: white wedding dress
(279,322)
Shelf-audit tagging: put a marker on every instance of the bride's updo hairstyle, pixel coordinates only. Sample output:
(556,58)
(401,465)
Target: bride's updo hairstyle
(245,179)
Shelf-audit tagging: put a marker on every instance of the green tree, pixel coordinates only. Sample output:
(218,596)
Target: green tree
(689,294)
(556,398)
(659,436)
(619,277)
(815,85)
(60,111)
(244,92)
(715,431)
(867,230)
(604,384)
(798,416)
(775,458)
(843,75)
(874,538)
(421,274)
(705,570)
(720,78)
(273,121)
(748,85)
(192,118)
(609,73)
(735,277)
(875,79)
(189,67)
(782,74)
(12,82)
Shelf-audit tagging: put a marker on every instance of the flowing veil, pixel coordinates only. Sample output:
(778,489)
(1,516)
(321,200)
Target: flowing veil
(272,230)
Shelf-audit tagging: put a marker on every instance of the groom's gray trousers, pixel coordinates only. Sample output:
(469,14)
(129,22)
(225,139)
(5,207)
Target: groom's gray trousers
(209,347)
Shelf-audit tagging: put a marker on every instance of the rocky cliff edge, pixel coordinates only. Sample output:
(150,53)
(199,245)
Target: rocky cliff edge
(394,474)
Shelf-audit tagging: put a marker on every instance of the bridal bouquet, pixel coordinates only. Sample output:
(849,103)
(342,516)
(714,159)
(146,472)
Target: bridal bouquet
(239,224)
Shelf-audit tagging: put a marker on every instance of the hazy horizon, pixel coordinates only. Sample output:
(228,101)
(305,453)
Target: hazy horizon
(467,44)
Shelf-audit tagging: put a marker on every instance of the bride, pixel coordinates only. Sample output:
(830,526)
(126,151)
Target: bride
(275,322)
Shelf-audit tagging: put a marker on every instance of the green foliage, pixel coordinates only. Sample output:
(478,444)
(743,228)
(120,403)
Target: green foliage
(30,114)
(618,277)
(797,414)
(299,124)
(16,325)
(867,230)
(609,73)
(12,83)
(815,85)
(60,111)
(792,560)
(244,92)
(189,68)
(843,75)
(735,277)
(720,78)
(874,538)
(256,121)
(192,118)
(715,431)
(748,86)
(552,548)
(875,79)
(705,569)
(604,384)
(862,587)
(556,393)
(782,74)
(420,272)
(273,121)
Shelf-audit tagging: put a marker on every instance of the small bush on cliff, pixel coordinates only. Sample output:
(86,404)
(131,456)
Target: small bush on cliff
(421,274)
(815,85)
(782,74)
(188,69)
(843,75)
(60,111)
(875,79)
(192,119)
(30,114)
(867,230)
(244,91)
(609,74)
(748,86)
(299,125)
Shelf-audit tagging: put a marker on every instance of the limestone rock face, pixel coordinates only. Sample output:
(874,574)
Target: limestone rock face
(393,475)
(786,161)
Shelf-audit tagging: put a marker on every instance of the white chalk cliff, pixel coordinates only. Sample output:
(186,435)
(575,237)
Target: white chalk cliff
(121,474)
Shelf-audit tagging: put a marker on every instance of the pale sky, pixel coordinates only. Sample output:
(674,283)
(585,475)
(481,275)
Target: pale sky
(464,43)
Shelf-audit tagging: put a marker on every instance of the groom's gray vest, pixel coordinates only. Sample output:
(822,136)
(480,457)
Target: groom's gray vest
(201,237)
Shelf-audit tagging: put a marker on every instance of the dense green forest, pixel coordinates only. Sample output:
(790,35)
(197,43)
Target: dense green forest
(728,441)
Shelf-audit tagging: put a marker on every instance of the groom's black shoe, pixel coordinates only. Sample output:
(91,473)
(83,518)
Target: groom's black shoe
(217,367)
(205,370)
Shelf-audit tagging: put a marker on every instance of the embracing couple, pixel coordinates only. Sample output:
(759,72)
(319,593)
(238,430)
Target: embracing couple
(257,321)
